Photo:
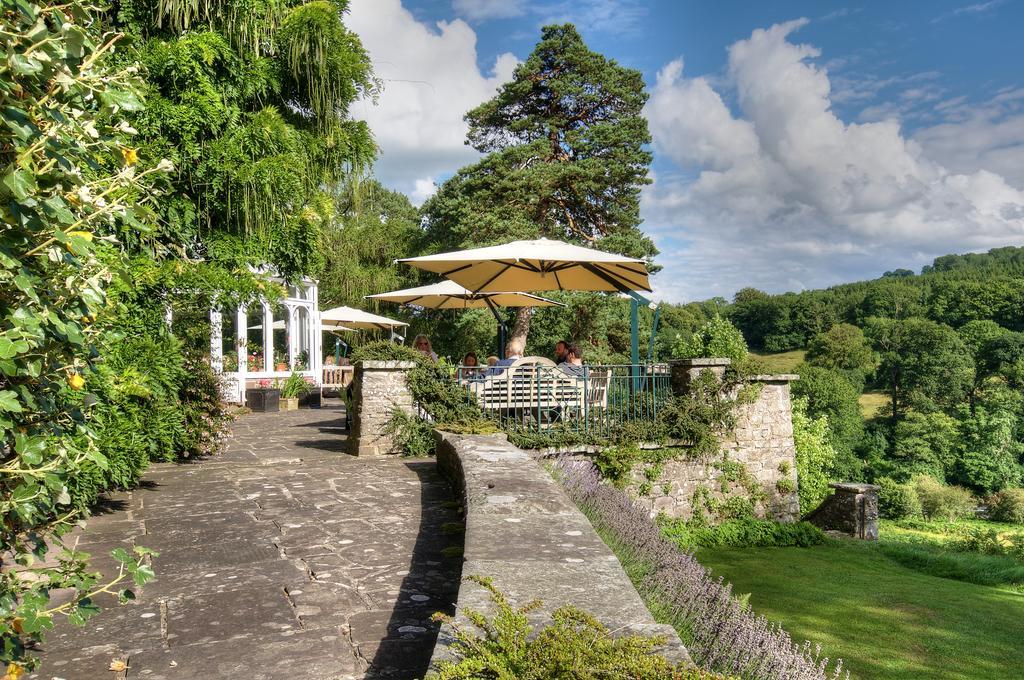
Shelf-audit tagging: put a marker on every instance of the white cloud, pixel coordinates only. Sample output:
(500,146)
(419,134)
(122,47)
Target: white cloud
(430,80)
(423,188)
(787,192)
(482,10)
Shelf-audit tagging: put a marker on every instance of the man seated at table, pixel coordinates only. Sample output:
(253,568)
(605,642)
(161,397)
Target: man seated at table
(573,364)
(561,349)
(513,350)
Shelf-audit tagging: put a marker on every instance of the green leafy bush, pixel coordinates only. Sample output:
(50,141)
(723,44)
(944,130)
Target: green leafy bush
(717,338)
(939,501)
(412,433)
(385,350)
(574,645)
(1007,506)
(815,456)
(740,533)
(897,501)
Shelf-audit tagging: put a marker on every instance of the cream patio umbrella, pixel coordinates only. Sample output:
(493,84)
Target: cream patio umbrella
(350,318)
(537,266)
(450,295)
(542,265)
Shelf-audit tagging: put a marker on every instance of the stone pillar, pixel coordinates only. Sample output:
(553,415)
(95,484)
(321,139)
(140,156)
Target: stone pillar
(851,509)
(378,389)
(763,441)
(684,371)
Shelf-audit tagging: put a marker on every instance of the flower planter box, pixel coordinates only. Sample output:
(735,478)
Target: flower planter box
(281,367)
(265,400)
(289,403)
(310,399)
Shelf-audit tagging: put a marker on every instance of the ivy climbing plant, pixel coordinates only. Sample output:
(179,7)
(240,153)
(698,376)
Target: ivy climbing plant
(70,180)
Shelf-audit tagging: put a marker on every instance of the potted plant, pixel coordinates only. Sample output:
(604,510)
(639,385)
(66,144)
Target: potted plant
(264,398)
(294,387)
(312,397)
(280,362)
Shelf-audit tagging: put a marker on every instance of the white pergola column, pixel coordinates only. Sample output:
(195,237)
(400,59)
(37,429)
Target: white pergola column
(268,338)
(291,337)
(241,340)
(216,341)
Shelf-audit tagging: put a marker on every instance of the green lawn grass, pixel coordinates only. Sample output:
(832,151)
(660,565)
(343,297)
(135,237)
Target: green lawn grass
(783,362)
(882,619)
(871,403)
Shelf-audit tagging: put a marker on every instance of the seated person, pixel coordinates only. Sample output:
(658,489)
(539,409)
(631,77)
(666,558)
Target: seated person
(513,351)
(422,343)
(573,364)
(491,360)
(561,349)
(470,365)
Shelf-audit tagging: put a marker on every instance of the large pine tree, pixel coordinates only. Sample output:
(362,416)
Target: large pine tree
(565,158)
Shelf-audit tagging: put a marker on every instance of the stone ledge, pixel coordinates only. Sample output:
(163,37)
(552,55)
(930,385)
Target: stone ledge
(386,365)
(774,377)
(523,532)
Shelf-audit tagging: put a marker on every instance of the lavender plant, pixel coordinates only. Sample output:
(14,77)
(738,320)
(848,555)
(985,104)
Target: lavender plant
(720,633)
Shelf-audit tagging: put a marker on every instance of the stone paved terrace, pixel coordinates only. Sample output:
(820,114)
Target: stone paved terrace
(284,557)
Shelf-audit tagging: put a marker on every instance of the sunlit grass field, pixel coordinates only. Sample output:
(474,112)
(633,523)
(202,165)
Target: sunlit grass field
(883,619)
(783,362)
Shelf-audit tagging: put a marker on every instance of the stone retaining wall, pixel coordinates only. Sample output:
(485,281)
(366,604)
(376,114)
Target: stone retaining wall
(528,536)
(379,388)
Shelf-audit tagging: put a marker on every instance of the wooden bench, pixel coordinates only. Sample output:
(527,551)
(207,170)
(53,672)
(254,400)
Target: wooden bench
(336,378)
(535,386)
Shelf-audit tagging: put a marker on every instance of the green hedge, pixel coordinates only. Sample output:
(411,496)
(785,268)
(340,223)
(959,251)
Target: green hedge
(741,533)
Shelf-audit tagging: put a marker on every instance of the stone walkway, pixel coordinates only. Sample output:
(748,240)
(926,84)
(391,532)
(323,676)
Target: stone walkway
(281,558)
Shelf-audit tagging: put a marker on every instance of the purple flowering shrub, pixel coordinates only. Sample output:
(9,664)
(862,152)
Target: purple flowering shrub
(720,634)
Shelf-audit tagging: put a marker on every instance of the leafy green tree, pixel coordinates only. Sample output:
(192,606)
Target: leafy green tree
(990,454)
(566,158)
(374,227)
(814,456)
(717,338)
(69,175)
(922,444)
(829,393)
(922,364)
(844,348)
(250,102)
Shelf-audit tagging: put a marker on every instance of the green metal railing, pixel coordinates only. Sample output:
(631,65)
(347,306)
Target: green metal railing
(538,396)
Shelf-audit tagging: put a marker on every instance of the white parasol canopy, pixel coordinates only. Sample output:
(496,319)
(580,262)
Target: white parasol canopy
(450,295)
(349,318)
(537,266)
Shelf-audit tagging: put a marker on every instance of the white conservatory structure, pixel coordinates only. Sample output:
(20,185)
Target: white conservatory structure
(257,342)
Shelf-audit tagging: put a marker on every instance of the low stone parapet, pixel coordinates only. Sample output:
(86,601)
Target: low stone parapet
(523,532)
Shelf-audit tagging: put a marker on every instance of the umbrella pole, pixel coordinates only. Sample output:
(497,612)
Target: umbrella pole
(501,327)
(634,344)
(337,350)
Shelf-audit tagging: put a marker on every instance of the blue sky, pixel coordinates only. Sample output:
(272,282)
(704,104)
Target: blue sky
(796,144)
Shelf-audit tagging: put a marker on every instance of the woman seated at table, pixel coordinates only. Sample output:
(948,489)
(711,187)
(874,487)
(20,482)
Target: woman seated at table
(470,367)
(422,343)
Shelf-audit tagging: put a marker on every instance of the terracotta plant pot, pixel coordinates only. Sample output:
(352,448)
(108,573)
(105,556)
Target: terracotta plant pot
(281,367)
(289,403)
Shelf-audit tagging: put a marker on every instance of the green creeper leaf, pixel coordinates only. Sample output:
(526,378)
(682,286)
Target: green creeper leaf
(7,349)
(20,183)
(75,40)
(9,401)
(24,66)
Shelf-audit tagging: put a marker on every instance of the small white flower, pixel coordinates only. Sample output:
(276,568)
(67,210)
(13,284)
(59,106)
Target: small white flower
(165,165)
(91,130)
(85,194)
(101,202)
(123,126)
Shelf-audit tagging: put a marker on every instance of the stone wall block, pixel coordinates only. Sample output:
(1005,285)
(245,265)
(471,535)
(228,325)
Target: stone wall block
(378,388)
